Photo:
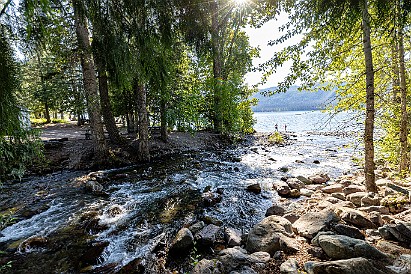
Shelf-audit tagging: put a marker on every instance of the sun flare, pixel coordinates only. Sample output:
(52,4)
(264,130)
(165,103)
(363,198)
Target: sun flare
(240,2)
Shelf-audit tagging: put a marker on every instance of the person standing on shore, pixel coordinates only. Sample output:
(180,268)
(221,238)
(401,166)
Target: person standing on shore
(285,127)
(276,127)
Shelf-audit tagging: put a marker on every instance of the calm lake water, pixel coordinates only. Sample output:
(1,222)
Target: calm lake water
(305,121)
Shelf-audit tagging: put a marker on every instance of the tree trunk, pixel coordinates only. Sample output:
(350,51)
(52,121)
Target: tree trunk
(395,71)
(163,120)
(217,67)
(47,112)
(108,116)
(90,82)
(404,158)
(142,121)
(369,166)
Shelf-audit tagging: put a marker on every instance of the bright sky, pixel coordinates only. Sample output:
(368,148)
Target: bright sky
(260,37)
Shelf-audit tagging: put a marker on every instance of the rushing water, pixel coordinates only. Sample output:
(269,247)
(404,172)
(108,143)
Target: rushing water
(152,203)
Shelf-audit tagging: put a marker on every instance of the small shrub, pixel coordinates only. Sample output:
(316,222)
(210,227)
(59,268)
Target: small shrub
(276,138)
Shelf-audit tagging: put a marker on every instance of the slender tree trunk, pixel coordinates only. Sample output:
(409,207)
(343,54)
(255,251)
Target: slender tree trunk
(90,82)
(404,157)
(144,153)
(395,71)
(47,112)
(217,67)
(108,116)
(163,120)
(369,167)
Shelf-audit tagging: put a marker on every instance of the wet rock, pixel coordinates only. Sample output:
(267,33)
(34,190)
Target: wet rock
(319,178)
(294,193)
(275,210)
(349,231)
(289,267)
(284,169)
(90,257)
(332,188)
(233,258)
(232,236)
(344,247)
(311,223)
(268,235)
(196,227)
(304,180)
(356,197)
(282,188)
(316,162)
(294,183)
(120,176)
(135,266)
(99,176)
(182,243)
(211,199)
(32,243)
(350,266)
(208,235)
(114,210)
(207,267)
(353,189)
(292,217)
(355,217)
(254,188)
(93,187)
(212,220)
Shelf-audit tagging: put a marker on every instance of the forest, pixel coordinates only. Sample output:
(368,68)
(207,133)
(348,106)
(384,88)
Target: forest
(129,67)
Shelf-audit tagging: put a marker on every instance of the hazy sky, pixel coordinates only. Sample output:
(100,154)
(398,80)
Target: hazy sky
(260,37)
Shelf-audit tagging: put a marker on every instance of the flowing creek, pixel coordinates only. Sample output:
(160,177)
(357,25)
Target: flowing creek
(143,209)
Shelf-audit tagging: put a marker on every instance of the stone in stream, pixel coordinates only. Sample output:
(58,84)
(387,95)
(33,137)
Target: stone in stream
(254,188)
(311,223)
(182,243)
(294,183)
(304,180)
(211,198)
(289,267)
(350,266)
(93,187)
(319,178)
(196,227)
(232,236)
(282,188)
(344,247)
(332,188)
(208,235)
(275,210)
(207,267)
(32,242)
(271,235)
(90,257)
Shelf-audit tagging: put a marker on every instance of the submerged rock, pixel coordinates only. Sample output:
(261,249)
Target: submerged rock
(254,188)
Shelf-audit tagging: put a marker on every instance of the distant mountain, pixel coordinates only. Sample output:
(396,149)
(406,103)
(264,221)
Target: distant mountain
(292,100)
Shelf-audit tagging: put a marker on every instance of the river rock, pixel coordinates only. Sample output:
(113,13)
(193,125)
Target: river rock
(196,227)
(292,217)
(232,236)
(93,187)
(304,180)
(282,188)
(244,270)
(208,235)
(233,258)
(311,223)
(338,195)
(371,199)
(294,183)
(182,242)
(90,257)
(32,243)
(289,267)
(401,232)
(207,267)
(344,247)
(350,266)
(254,188)
(402,265)
(319,178)
(295,193)
(380,209)
(390,248)
(355,217)
(349,231)
(353,189)
(270,235)
(306,192)
(356,197)
(275,210)
(211,198)
(332,188)
(375,218)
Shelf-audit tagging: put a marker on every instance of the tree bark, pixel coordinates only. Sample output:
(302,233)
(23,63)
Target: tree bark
(142,115)
(47,112)
(163,120)
(369,166)
(395,71)
(108,116)
(404,157)
(90,82)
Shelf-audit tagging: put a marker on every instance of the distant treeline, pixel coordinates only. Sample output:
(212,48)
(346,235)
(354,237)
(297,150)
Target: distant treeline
(292,100)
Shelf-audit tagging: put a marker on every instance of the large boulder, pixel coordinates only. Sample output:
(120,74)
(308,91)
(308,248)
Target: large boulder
(271,235)
(208,235)
(355,217)
(254,188)
(232,236)
(350,266)
(400,232)
(311,223)
(182,242)
(233,258)
(344,247)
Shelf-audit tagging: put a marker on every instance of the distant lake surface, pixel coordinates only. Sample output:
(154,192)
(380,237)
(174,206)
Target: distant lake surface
(304,121)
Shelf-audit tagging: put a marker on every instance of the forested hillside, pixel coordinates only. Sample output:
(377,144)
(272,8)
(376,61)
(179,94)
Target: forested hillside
(292,100)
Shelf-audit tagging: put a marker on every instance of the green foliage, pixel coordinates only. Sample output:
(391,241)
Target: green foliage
(6,219)
(5,266)
(276,138)
(17,151)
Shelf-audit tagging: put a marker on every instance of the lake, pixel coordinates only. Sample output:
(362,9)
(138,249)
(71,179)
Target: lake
(306,121)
